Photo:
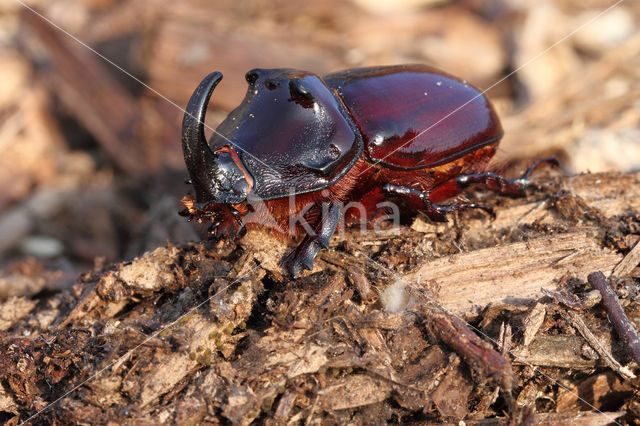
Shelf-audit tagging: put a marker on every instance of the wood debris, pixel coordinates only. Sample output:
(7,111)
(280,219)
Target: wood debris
(184,330)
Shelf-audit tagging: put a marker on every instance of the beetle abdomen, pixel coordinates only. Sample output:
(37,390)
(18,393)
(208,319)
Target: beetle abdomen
(413,116)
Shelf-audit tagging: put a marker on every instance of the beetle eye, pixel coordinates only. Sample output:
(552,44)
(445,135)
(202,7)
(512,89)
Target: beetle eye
(251,77)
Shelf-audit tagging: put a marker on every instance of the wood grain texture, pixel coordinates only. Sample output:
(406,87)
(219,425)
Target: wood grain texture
(517,272)
(514,272)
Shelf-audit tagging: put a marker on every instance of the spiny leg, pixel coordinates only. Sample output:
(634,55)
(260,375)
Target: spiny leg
(304,255)
(500,184)
(228,225)
(435,212)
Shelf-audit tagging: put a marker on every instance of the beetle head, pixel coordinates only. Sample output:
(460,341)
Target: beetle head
(218,176)
(293,134)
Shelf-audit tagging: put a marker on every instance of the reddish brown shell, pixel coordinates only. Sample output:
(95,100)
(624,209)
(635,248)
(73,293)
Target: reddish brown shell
(414,116)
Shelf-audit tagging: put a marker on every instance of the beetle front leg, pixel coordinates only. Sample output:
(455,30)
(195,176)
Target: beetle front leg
(304,255)
(229,225)
(435,212)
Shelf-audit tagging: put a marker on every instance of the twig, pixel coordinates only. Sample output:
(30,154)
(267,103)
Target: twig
(577,323)
(456,334)
(616,314)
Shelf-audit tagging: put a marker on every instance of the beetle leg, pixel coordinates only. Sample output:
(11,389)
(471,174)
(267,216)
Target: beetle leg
(303,255)
(227,225)
(500,184)
(242,229)
(435,212)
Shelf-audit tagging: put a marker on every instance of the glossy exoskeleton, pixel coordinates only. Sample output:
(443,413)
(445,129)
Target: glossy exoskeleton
(407,133)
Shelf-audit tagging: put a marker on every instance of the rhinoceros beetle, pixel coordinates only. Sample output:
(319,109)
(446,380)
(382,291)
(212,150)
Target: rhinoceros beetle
(407,132)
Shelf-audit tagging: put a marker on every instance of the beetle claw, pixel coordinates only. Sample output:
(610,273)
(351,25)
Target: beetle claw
(213,230)
(294,269)
(304,255)
(487,209)
(552,161)
(302,258)
(186,214)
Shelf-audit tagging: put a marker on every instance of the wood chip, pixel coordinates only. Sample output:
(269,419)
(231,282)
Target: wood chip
(628,264)
(13,310)
(583,418)
(553,351)
(512,273)
(594,390)
(532,323)
(353,391)
(451,396)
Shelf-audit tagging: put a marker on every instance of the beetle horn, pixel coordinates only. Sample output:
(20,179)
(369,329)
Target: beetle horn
(198,157)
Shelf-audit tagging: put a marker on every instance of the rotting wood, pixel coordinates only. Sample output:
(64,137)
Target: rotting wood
(597,345)
(532,323)
(267,346)
(560,419)
(455,333)
(354,391)
(628,264)
(520,270)
(513,273)
(13,310)
(592,390)
(554,351)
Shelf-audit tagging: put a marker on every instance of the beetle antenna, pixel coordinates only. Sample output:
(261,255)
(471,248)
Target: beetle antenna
(198,157)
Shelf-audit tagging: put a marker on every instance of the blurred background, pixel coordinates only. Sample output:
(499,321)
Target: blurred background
(91,168)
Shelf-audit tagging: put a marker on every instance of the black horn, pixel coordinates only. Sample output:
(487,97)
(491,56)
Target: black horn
(197,154)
